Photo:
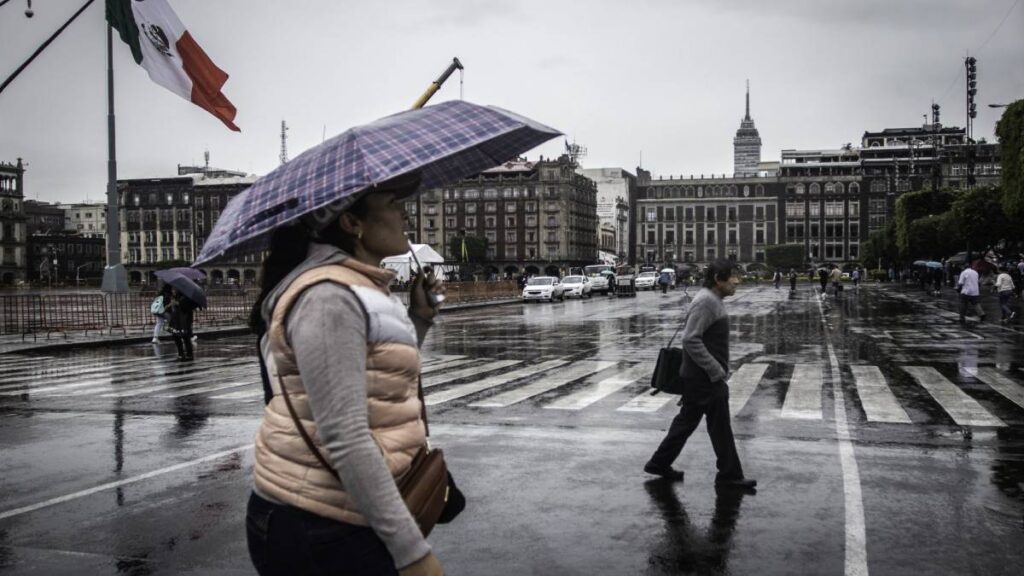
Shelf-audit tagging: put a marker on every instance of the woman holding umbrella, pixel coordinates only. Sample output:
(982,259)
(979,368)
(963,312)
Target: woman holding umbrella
(345,416)
(186,296)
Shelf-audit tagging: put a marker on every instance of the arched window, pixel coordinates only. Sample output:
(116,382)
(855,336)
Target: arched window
(839,188)
(854,188)
(814,188)
(830,188)
(689,191)
(732,189)
(800,188)
(759,190)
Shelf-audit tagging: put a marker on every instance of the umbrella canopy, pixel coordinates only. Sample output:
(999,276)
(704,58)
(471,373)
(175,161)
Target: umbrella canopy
(443,143)
(192,274)
(184,285)
(919,263)
(933,264)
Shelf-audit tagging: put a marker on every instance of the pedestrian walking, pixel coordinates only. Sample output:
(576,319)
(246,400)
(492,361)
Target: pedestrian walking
(792,279)
(855,275)
(777,278)
(663,281)
(1018,279)
(1004,287)
(159,310)
(823,280)
(180,318)
(967,286)
(836,277)
(704,372)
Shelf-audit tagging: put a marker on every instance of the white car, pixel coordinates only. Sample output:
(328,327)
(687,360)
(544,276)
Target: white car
(646,280)
(544,288)
(577,287)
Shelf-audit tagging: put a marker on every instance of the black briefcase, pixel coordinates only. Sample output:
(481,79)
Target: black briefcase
(666,376)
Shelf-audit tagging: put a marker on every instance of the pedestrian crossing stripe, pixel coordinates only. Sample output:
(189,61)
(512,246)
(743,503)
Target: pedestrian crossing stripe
(53,369)
(593,381)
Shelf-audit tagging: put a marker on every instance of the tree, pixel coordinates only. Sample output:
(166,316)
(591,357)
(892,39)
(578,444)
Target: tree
(785,256)
(980,221)
(914,205)
(933,237)
(1010,130)
(880,248)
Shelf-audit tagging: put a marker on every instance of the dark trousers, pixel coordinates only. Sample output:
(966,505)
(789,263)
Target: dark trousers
(664,288)
(715,405)
(183,342)
(970,301)
(289,541)
(1004,303)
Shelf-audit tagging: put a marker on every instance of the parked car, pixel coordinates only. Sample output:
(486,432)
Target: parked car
(646,280)
(577,287)
(544,288)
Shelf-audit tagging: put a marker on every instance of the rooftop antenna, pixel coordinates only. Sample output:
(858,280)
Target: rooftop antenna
(284,142)
(206,160)
(575,151)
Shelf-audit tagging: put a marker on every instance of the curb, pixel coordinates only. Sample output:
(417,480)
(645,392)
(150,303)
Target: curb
(211,333)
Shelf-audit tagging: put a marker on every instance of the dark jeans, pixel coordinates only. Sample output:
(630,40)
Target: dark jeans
(183,342)
(289,541)
(715,405)
(1004,303)
(972,301)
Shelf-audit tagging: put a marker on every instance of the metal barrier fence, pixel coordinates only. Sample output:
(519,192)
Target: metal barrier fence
(38,314)
(35,314)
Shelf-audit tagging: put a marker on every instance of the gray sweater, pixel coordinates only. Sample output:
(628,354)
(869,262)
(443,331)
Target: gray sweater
(706,341)
(327,330)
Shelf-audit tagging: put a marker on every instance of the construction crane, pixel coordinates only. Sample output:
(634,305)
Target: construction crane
(436,84)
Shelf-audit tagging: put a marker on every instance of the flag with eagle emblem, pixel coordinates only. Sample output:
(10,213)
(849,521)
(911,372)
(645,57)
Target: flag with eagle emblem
(161,44)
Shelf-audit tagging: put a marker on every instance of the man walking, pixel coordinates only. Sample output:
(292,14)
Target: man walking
(704,373)
(777,278)
(855,275)
(792,279)
(967,285)
(1005,288)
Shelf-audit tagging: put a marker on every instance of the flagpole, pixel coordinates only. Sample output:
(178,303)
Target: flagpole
(115,278)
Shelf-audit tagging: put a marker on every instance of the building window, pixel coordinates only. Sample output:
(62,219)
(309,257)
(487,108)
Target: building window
(451,208)
(510,221)
(670,236)
(490,207)
(759,236)
(688,213)
(731,211)
(710,237)
(531,206)
(710,254)
(814,188)
(799,189)
(510,206)
(531,220)
(490,194)
(552,221)
(489,221)
(709,214)
(815,210)
(854,209)
(652,214)
(511,251)
(650,236)
(732,236)
(449,222)
(759,213)
(688,236)
(510,236)
(471,208)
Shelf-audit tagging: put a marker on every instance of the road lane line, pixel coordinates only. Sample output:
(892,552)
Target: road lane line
(742,385)
(119,383)
(964,410)
(595,392)
(62,383)
(62,370)
(877,399)
(210,388)
(248,394)
(195,378)
(546,383)
(118,484)
(646,403)
(447,364)
(1002,384)
(461,390)
(856,553)
(438,379)
(803,399)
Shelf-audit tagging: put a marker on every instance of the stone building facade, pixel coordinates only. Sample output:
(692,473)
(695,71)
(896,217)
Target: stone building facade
(43,218)
(615,186)
(12,223)
(695,220)
(86,218)
(165,221)
(65,258)
(538,217)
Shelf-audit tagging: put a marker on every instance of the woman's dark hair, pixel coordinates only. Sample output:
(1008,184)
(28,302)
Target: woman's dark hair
(289,246)
(719,269)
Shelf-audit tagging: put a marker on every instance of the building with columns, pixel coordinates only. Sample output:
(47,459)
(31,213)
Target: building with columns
(12,223)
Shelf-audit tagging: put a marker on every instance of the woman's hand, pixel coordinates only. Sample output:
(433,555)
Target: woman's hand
(419,303)
(426,566)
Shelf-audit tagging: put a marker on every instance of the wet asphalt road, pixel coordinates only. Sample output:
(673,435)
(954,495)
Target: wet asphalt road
(887,439)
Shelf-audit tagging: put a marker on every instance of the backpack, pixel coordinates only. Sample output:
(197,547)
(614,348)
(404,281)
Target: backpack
(157,307)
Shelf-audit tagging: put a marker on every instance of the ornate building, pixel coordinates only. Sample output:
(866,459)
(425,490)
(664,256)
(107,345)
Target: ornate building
(615,186)
(12,223)
(537,217)
(746,145)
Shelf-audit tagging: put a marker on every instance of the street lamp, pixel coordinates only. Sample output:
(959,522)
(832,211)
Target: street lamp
(77,269)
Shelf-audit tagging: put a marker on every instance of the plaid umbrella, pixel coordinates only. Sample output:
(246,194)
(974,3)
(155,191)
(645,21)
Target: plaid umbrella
(444,143)
(184,285)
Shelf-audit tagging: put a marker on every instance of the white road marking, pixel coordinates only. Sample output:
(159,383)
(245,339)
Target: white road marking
(444,378)
(473,387)
(210,388)
(876,397)
(964,410)
(1002,384)
(803,399)
(241,394)
(446,364)
(647,403)
(546,383)
(595,392)
(117,383)
(69,381)
(195,379)
(119,483)
(30,375)
(742,384)
(856,552)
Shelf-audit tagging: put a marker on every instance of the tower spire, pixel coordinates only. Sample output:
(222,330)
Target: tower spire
(747,117)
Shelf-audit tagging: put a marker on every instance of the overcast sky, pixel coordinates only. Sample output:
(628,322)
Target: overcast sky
(661,78)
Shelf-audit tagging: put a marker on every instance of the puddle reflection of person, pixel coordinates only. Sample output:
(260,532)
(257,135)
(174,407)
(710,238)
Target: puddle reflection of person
(685,548)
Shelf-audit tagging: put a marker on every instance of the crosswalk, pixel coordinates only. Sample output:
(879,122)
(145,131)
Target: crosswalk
(563,384)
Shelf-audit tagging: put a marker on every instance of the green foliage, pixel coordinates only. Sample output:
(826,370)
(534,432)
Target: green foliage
(1010,130)
(878,275)
(476,249)
(979,219)
(785,256)
(933,237)
(880,247)
(914,205)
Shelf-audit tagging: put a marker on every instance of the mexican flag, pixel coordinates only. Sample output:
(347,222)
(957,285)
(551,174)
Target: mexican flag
(162,45)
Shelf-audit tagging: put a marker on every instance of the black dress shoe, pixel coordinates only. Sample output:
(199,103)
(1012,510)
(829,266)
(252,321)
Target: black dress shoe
(667,472)
(741,483)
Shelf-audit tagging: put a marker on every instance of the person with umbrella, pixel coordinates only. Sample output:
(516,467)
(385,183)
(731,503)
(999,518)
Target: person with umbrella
(186,297)
(345,416)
